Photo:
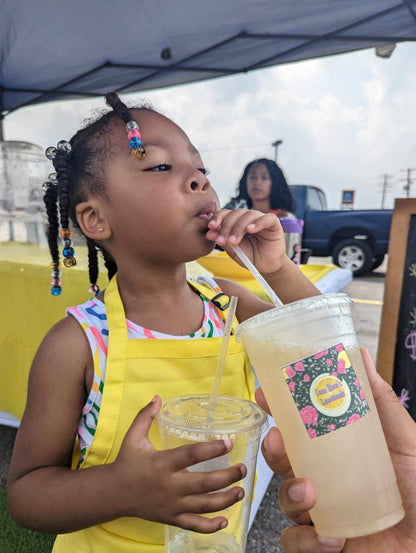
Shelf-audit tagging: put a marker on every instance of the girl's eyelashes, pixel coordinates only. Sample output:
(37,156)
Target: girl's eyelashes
(160,168)
(163,167)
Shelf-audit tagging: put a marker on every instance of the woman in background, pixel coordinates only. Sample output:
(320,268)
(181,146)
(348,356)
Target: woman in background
(263,187)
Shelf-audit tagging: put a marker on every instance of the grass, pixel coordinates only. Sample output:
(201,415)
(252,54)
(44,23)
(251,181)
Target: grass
(14,539)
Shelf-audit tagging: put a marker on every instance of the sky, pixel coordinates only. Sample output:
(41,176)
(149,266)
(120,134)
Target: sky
(345,121)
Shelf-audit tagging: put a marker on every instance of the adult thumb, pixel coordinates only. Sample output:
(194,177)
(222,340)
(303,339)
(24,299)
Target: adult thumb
(139,428)
(398,425)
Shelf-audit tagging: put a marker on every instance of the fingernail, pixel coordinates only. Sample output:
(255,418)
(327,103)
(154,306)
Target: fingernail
(232,238)
(220,239)
(240,495)
(154,399)
(251,226)
(228,444)
(223,524)
(296,491)
(331,542)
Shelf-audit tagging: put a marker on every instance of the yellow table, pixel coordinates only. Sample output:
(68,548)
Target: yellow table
(28,310)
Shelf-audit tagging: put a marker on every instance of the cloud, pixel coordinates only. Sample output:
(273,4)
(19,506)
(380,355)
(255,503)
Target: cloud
(344,120)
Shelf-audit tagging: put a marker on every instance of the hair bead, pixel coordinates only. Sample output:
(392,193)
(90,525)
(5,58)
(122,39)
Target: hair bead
(133,133)
(139,152)
(131,125)
(70,261)
(64,146)
(51,152)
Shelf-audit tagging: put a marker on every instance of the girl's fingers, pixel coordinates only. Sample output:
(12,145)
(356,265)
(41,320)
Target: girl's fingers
(229,227)
(274,452)
(296,497)
(185,456)
(198,523)
(203,482)
(212,502)
(304,539)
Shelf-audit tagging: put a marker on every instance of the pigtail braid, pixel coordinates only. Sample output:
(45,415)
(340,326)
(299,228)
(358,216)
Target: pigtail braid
(61,165)
(93,268)
(110,264)
(50,199)
(120,109)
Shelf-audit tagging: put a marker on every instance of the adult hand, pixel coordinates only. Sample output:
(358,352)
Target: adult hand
(297,495)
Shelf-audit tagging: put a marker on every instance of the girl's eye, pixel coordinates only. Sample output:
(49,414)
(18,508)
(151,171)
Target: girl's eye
(161,168)
(203,170)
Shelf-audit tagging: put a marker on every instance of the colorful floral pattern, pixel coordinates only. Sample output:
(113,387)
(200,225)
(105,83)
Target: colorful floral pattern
(326,390)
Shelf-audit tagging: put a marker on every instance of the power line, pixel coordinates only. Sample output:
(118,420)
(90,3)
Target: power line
(385,187)
(408,180)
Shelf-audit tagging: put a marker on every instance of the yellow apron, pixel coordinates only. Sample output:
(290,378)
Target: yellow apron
(136,370)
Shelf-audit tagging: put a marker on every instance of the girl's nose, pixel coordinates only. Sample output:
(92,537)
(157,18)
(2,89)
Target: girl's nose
(197,182)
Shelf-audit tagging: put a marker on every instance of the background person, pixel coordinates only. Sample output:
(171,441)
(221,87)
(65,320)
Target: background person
(263,187)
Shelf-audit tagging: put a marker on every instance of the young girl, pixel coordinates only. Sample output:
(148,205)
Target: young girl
(263,187)
(85,465)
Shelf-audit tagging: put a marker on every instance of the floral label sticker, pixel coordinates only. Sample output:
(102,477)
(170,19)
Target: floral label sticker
(326,391)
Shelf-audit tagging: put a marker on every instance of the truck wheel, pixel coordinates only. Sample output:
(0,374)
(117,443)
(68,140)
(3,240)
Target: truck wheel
(377,261)
(355,255)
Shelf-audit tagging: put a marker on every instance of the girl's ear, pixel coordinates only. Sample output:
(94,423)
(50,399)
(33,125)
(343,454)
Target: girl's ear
(92,220)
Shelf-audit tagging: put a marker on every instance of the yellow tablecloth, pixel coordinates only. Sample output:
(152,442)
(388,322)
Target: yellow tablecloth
(28,310)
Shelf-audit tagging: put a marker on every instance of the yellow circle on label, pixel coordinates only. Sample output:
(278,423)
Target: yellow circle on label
(330,395)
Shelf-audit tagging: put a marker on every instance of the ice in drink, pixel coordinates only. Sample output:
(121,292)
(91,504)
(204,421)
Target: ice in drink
(309,365)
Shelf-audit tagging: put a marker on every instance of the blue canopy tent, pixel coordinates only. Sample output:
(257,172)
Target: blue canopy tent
(55,50)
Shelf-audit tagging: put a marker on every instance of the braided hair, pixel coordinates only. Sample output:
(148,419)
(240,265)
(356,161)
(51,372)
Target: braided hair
(79,171)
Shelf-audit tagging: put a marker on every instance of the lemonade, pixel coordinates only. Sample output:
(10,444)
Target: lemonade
(309,365)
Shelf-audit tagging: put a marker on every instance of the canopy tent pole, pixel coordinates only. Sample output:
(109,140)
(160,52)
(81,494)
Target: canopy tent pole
(1,114)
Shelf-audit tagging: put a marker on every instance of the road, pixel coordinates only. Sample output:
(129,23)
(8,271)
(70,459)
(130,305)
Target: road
(367,292)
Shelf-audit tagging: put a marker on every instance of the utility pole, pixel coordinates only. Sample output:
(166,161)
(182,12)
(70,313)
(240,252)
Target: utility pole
(275,145)
(408,179)
(385,186)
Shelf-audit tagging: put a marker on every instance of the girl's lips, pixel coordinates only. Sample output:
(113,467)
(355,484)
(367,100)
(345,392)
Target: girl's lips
(207,211)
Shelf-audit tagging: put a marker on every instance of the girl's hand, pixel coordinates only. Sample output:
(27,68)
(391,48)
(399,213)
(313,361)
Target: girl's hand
(156,485)
(297,495)
(260,236)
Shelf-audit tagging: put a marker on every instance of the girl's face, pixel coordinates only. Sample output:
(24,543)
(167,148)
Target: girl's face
(159,207)
(259,183)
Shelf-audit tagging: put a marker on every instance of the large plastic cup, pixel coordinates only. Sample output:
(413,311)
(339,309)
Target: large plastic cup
(183,420)
(309,365)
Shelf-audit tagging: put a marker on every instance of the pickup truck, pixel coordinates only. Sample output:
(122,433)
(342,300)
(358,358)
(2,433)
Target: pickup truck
(357,239)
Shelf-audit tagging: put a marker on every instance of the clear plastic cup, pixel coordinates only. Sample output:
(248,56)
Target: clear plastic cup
(309,365)
(183,420)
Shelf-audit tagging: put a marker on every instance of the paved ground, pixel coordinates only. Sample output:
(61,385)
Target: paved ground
(269,522)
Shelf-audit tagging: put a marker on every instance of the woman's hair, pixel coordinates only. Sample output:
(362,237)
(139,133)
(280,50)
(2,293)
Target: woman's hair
(280,195)
(80,171)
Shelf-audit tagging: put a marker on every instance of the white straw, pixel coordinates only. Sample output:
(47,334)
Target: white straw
(221,356)
(249,265)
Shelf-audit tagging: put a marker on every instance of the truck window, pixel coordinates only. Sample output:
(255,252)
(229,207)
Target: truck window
(313,200)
